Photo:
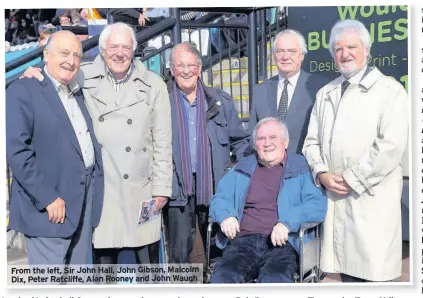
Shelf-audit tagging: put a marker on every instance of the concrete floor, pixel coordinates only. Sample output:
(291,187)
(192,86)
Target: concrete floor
(198,256)
(18,257)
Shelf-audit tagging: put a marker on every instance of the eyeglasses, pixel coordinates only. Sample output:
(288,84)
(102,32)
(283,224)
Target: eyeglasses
(289,52)
(181,67)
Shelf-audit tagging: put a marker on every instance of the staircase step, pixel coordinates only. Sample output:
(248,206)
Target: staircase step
(236,74)
(242,107)
(16,257)
(235,89)
(235,63)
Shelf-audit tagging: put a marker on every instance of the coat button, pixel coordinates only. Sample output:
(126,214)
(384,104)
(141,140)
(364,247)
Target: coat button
(125,176)
(144,149)
(129,121)
(128,149)
(101,119)
(82,183)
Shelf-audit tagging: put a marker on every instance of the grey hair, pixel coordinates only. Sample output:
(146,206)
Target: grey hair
(340,27)
(116,26)
(189,48)
(284,129)
(300,37)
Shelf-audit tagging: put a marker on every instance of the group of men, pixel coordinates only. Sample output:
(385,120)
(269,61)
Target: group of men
(89,143)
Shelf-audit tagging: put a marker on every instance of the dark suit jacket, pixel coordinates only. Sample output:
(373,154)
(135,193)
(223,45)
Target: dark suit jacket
(265,105)
(46,160)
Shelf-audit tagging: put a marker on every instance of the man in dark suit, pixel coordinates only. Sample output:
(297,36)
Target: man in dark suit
(55,159)
(290,95)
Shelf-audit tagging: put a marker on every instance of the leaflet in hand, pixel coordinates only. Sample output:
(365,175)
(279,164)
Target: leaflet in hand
(146,212)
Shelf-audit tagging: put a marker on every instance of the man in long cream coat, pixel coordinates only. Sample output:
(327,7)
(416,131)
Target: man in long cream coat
(131,113)
(356,140)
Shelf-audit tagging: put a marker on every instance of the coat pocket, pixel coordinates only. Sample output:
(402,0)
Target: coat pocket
(222,131)
(143,168)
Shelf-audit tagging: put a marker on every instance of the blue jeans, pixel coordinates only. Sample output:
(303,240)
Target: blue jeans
(254,256)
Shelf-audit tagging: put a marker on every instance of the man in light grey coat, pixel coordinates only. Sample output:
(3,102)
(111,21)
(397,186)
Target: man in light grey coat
(355,143)
(131,115)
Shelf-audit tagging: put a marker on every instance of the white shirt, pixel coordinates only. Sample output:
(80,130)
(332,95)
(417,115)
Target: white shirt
(76,118)
(291,87)
(355,79)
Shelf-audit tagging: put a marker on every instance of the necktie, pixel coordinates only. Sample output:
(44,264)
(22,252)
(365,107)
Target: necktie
(344,87)
(283,103)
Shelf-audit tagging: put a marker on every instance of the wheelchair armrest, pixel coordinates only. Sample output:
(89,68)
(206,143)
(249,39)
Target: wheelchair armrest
(211,224)
(308,226)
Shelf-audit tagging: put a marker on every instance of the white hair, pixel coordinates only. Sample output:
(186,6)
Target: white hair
(300,37)
(284,129)
(112,27)
(189,47)
(349,25)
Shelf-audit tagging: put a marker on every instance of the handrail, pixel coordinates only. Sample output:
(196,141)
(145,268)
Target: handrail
(16,76)
(222,9)
(78,30)
(24,59)
(213,25)
(18,62)
(156,29)
(142,36)
(210,17)
(226,53)
(158,51)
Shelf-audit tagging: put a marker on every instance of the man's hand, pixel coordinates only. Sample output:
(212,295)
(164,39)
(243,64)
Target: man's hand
(33,72)
(279,234)
(142,19)
(230,227)
(160,203)
(84,14)
(57,211)
(335,183)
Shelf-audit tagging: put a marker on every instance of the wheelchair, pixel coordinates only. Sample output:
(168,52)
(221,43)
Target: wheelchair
(309,256)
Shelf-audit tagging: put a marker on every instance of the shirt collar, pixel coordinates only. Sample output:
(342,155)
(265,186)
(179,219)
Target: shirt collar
(281,164)
(292,79)
(72,86)
(128,74)
(185,97)
(355,79)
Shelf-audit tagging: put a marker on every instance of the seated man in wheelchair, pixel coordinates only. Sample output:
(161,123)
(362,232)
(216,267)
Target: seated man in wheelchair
(260,205)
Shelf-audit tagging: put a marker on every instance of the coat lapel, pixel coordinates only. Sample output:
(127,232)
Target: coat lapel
(106,94)
(272,94)
(79,97)
(297,97)
(53,98)
(177,160)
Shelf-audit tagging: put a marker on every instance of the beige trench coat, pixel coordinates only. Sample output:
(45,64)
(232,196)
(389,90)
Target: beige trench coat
(361,137)
(133,127)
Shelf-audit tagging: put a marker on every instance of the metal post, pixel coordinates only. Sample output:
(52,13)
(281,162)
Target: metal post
(252,55)
(263,46)
(176,31)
